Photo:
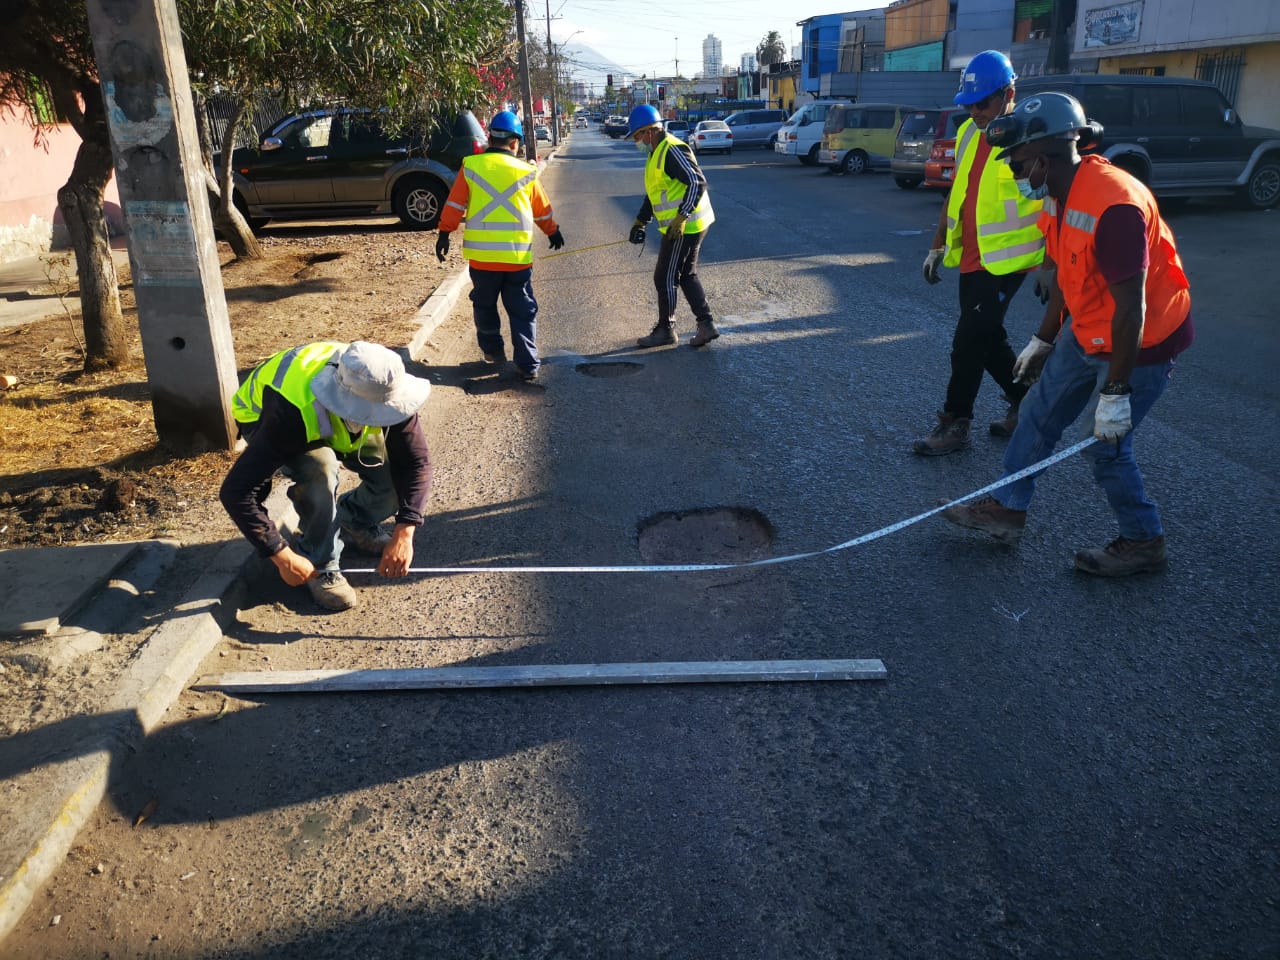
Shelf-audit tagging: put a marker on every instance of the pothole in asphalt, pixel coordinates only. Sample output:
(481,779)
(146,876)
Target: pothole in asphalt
(706,535)
(610,368)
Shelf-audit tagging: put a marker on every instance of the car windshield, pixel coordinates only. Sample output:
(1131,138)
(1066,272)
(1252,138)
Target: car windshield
(916,124)
(713,125)
(677,125)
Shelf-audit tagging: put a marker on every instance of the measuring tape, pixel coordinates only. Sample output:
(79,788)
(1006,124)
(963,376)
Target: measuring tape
(706,567)
(598,246)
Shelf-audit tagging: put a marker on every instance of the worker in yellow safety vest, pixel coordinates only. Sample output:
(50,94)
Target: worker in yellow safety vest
(988,230)
(499,196)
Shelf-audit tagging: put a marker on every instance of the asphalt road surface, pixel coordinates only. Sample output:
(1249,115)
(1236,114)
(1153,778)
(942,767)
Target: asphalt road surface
(1056,767)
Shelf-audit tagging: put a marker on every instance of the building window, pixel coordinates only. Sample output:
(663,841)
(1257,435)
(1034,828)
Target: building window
(1222,69)
(1143,71)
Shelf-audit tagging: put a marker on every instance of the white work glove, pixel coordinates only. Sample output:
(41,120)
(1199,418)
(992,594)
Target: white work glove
(1113,419)
(1026,369)
(933,264)
(1045,278)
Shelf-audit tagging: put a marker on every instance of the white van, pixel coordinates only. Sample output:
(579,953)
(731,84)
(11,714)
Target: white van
(801,135)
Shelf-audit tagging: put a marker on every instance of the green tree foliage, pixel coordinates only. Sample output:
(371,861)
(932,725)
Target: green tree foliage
(412,59)
(46,61)
(771,49)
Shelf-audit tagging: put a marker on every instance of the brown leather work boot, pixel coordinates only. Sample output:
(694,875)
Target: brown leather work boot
(1121,557)
(659,336)
(1005,427)
(990,516)
(706,333)
(330,590)
(951,434)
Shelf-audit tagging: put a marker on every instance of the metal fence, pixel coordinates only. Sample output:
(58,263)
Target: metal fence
(1222,69)
(265,114)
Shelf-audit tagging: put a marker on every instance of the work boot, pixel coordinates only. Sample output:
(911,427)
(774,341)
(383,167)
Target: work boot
(659,336)
(330,590)
(951,434)
(706,333)
(1121,557)
(371,540)
(990,516)
(1005,427)
(494,359)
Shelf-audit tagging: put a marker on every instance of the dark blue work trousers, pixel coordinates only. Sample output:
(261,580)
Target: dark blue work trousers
(515,287)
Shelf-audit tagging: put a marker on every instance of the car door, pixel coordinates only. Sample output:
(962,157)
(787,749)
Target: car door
(360,156)
(1216,149)
(296,173)
(880,129)
(1157,123)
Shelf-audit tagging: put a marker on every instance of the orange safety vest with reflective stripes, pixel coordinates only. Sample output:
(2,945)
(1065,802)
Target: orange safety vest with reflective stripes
(1071,242)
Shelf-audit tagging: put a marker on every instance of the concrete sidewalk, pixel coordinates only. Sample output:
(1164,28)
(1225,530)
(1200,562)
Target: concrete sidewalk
(28,286)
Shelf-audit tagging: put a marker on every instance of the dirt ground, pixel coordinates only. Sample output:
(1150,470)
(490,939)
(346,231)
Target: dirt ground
(82,463)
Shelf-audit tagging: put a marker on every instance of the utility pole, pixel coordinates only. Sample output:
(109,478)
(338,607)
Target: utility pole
(182,308)
(551,62)
(526,93)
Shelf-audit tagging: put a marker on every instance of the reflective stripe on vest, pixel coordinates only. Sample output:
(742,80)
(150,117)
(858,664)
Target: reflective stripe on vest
(666,193)
(1072,245)
(499,227)
(289,373)
(1009,239)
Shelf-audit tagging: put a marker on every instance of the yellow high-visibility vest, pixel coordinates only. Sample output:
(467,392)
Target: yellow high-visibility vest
(1008,238)
(666,193)
(499,227)
(289,373)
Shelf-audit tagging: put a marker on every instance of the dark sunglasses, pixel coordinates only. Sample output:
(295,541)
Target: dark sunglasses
(987,101)
(1017,166)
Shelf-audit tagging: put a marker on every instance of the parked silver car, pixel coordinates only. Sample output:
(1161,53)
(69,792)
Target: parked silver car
(711,135)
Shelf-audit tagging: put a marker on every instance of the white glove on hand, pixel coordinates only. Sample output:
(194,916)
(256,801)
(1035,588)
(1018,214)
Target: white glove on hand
(1113,420)
(933,264)
(1026,369)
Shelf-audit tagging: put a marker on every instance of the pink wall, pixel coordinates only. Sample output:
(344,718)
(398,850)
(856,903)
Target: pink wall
(31,175)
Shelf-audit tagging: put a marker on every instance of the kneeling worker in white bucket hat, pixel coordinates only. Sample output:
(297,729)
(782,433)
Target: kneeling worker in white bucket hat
(306,412)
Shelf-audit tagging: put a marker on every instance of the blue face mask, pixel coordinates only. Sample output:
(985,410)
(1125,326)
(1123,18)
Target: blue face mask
(1027,190)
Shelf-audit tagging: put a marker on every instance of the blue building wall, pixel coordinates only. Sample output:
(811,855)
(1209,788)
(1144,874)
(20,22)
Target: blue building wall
(820,52)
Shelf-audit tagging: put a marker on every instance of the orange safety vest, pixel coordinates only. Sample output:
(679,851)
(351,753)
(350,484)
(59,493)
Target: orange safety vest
(1071,242)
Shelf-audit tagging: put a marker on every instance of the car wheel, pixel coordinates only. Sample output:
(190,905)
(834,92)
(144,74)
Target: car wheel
(906,183)
(856,161)
(418,202)
(1262,192)
(255,223)
(811,158)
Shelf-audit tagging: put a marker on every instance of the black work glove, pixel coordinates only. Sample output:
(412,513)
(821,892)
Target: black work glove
(637,232)
(442,246)
(557,240)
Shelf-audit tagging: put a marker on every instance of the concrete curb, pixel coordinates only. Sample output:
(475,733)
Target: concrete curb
(72,785)
(436,310)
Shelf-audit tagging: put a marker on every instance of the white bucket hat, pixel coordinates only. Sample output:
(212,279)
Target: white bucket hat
(369,385)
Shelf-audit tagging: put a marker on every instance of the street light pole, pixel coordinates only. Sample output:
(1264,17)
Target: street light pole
(551,62)
(526,90)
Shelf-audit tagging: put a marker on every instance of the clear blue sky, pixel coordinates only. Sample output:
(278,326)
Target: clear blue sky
(646,36)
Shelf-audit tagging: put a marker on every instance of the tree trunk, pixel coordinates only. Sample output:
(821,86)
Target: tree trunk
(80,200)
(226,217)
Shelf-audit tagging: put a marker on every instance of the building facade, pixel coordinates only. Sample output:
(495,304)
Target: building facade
(712,62)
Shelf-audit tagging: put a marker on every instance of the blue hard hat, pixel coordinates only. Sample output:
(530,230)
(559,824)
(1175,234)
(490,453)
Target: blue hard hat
(507,124)
(986,73)
(645,115)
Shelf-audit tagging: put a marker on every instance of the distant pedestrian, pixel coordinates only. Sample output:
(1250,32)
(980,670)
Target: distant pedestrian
(306,412)
(1119,313)
(499,196)
(676,196)
(988,230)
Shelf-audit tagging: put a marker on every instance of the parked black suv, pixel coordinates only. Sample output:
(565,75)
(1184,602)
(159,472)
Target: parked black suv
(341,163)
(1178,136)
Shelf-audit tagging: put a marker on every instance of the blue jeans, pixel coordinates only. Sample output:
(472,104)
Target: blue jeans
(322,513)
(1069,383)
(515,287)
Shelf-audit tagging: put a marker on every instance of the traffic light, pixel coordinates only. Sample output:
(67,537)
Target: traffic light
(609,78)
(662,92)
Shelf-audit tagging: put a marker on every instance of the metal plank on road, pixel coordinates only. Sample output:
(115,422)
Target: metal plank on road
(544,675)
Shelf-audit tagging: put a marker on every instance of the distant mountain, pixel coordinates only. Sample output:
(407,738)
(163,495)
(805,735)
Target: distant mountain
(591,67)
